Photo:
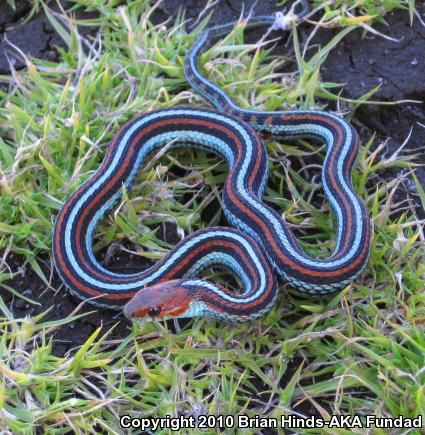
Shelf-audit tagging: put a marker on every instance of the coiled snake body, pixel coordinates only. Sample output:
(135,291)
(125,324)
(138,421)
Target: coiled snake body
(263,241)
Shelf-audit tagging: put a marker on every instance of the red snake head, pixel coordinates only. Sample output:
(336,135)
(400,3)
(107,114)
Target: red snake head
(159,302)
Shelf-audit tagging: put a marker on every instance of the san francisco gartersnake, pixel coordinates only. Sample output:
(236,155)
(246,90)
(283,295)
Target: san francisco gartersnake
(263,241)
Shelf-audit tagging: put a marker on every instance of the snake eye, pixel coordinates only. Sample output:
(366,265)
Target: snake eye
(154,311)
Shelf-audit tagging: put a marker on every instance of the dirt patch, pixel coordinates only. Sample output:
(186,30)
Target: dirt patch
(36,38)
(71,335)
(363,62)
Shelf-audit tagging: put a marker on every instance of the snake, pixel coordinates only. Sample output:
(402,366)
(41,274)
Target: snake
(260,245)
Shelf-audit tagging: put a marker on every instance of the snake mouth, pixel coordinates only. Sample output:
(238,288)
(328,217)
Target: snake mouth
(163,301)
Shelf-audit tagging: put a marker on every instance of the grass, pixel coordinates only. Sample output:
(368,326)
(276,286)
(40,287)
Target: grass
(360,351)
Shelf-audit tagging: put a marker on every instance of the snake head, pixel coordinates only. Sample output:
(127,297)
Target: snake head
(162,301)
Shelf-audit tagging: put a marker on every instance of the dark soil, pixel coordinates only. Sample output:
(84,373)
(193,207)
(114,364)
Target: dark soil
(361,62)
(35,37)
